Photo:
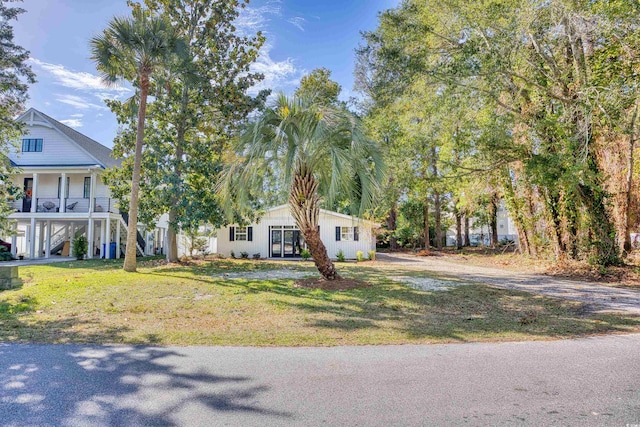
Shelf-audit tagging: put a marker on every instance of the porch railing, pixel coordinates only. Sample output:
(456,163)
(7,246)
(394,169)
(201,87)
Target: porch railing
(47,204)
(105,204)
(72,205)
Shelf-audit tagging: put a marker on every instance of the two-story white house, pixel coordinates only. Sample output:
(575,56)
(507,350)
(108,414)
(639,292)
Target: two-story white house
(64,196)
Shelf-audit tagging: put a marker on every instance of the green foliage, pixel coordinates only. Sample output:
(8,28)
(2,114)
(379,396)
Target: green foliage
(319,87)
(200,101)
(372,255)
(233,255)
(5,254)
(359,256)
(466,93)
(244,255)
(340,256)
(80,247)
(15,77)
(294,133)
(305,254)
(256,256)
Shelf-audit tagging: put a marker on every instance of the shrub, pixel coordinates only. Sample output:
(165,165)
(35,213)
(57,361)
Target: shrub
(340,256)
(80,247)
(372,255)
(305,254)
(5,255)
(233,255)
(244,255)
(360,256)
(256,256)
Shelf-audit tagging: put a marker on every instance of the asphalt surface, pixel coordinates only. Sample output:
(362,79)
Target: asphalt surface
(586,382)
(598,297)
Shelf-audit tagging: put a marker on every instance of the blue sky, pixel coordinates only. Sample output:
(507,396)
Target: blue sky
(301,35)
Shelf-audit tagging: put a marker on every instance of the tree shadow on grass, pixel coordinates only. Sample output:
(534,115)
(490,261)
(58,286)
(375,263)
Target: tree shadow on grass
(105,385)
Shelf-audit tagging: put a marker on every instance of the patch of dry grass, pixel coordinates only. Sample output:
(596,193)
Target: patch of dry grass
(97,302)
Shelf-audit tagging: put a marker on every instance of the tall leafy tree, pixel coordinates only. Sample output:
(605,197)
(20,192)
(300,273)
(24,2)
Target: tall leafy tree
(200,99)
(133,49)
(322,151)
(15,76)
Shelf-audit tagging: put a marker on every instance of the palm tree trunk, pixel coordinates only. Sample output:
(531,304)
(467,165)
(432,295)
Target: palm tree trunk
(132,229)
(305,208)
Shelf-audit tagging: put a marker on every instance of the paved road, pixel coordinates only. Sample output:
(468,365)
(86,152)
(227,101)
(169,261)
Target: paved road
(586,382)
(597,296)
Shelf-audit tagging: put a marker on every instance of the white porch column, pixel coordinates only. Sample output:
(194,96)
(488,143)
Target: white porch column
(118,226)
(47,248)
(32,239)
(103,239)
(90,230)
(14,241)
(34,193)
(63,192)
(164,240)
(107,240)
(92,192)
(72,235)
(41,239)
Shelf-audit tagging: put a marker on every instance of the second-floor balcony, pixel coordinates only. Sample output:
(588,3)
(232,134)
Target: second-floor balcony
(71,205)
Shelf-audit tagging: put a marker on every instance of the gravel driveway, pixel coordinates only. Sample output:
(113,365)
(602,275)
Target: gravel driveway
(599,297)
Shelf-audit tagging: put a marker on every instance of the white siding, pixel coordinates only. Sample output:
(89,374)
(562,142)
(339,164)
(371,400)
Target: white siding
(281,217)
(56,150)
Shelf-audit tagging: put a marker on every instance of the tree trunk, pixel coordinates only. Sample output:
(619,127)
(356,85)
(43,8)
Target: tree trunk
(427,244)
(493,219)
(172,238)
(391,225)
(467,232)
(437,210)
(174,230)
(630,165)
(305,208)
(458,229)
(132,228)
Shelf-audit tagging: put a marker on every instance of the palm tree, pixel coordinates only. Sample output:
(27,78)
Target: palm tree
(132,48)
(316,150)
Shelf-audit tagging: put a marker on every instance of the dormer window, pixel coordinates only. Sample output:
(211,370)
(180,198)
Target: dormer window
(31,145)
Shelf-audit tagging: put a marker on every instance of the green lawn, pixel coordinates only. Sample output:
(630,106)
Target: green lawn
(96,302)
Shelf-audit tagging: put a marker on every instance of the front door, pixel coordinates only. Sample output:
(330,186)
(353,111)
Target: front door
(28,192)
(276,243)
(292,246)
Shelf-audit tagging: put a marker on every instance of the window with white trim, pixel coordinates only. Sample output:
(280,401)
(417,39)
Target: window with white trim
(346,233)
(241,233)
(31,145)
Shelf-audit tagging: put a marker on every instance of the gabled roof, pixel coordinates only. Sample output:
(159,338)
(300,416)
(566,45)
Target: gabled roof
(337,214)
(96,150)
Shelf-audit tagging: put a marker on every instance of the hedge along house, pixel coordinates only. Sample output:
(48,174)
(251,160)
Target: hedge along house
(276,235)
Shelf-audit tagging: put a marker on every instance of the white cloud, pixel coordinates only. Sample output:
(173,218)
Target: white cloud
(78,102)
(77,115)
(297,22)
(74,123)
(254,19)
(278,75)
(78,80)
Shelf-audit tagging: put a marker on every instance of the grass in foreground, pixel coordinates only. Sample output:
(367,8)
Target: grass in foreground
(96,302)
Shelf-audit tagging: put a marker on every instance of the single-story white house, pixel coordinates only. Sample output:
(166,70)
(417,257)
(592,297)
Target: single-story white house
(276,235)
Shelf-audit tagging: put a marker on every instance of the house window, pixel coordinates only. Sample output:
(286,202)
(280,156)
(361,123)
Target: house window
(241,233)
(87,187)
(60,186)
(31,145)
(347,234)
